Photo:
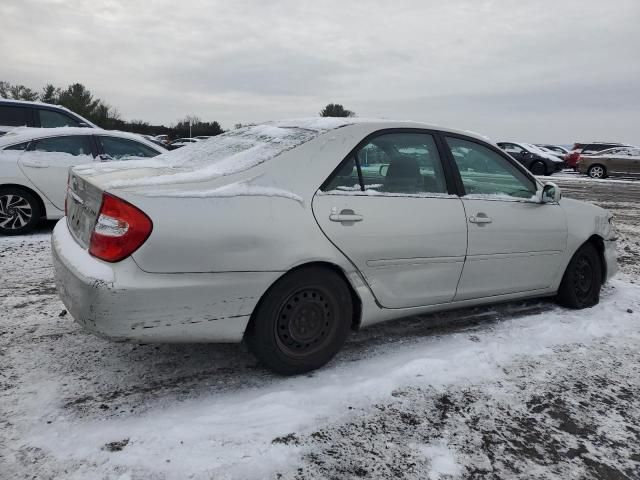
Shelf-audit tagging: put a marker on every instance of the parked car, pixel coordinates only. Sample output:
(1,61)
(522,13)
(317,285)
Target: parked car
(614,161)
(583,148)
(535,160)
(34,166)
(555,150)
(17,113)
(181,142)
(273,234)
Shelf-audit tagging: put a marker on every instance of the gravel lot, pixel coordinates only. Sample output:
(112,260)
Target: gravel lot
(525,390)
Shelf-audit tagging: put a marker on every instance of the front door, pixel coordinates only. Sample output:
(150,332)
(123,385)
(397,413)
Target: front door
(515,242)
(46,163)
(395,220)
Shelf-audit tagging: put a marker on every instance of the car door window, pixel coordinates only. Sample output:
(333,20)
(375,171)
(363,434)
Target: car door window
(393,163)
(18,146)
(511,148)
(485,172)
(119,148)
(14,116)
(72,144)
(51,119)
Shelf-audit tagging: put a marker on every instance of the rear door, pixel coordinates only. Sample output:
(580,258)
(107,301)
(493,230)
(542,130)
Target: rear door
(47,161)
(388,209)
(515,243)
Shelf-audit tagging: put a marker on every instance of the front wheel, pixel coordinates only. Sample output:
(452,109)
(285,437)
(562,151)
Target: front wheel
(582,280)
(19,211)
(302,321)
(597,171)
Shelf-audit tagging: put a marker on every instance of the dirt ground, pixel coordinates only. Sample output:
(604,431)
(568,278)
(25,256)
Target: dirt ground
(522,390)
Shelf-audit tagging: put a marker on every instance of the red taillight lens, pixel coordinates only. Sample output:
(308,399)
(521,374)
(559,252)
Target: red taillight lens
(120,230)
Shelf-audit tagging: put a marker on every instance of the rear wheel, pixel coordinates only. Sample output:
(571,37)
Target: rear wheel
(20,211)
(597,171)
(581,283)
(538,168)
(302,321)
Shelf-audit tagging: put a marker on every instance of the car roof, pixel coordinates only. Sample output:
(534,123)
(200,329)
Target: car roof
(25,134)
(45,106)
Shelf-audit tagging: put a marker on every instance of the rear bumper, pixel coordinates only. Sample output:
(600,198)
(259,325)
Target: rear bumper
(610,258)
(121,302)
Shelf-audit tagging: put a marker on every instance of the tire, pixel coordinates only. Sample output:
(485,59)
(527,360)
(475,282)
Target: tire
(538,168)
(20,211)
(597,171)
(301,322)
(581,283)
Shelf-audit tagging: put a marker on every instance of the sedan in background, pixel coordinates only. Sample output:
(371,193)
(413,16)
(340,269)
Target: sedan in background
(534,159)
(555,150)
(275,234)
(617,161)
(34,166)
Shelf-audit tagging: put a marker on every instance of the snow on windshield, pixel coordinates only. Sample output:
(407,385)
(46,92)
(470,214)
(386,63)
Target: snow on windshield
(232,152)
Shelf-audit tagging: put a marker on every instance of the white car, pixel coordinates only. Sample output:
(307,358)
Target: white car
(34,164)
(277,235)
(20,113)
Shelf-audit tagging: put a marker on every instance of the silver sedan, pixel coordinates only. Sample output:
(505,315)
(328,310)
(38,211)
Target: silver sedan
(288,235)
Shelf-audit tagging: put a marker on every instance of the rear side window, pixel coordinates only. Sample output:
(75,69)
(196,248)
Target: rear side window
(14,116)
(18,146)
(72,144)
(51,119)
(393,163)
(118,148)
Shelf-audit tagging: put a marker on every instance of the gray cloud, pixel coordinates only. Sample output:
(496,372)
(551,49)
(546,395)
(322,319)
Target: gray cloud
(543,70)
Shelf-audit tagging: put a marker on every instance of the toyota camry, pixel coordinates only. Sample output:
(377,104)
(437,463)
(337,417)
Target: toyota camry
(288,235)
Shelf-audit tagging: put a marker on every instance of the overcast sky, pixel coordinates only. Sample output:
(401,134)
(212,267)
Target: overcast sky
(539,71)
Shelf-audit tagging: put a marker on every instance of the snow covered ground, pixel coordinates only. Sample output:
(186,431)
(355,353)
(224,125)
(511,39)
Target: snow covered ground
(525,390)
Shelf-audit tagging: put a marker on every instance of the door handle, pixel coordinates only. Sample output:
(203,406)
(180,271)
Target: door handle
(480,218)
(34,164)
(345,216)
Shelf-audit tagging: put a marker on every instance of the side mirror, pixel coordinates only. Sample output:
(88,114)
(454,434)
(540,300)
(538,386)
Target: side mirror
(84,125)
(550,193)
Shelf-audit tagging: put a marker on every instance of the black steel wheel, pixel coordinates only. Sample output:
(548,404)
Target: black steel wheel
(582,280)
(302,321)
(19,211)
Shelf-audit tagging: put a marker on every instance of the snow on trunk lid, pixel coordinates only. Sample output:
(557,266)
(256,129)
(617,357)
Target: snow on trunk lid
(82,208)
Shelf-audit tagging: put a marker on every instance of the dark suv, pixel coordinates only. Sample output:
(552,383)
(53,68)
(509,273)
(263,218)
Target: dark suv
(16,113)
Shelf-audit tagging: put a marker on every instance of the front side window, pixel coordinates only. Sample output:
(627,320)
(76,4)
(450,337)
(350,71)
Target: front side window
(118,148)
(511,148)
(14,116)
(72,144)
(393,163)
(486,173)
(51,119)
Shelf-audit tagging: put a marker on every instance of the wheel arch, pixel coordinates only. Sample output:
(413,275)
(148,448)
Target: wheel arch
(356,319)
(38,196)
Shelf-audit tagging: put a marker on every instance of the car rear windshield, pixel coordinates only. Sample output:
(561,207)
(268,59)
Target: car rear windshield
(232,152)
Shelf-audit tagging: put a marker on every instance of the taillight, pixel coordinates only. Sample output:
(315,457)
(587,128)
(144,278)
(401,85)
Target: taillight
(120,230)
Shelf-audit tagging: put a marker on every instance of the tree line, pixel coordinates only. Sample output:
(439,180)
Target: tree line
(79,99)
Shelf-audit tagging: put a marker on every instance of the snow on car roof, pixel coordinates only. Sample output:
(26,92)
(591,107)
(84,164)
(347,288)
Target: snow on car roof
(231,152)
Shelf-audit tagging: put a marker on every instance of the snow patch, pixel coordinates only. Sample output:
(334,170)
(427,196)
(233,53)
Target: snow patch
(442,460)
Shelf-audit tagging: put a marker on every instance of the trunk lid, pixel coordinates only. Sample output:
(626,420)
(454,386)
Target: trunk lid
(82,207)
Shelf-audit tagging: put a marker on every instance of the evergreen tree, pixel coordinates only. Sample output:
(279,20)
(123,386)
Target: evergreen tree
(336,110)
